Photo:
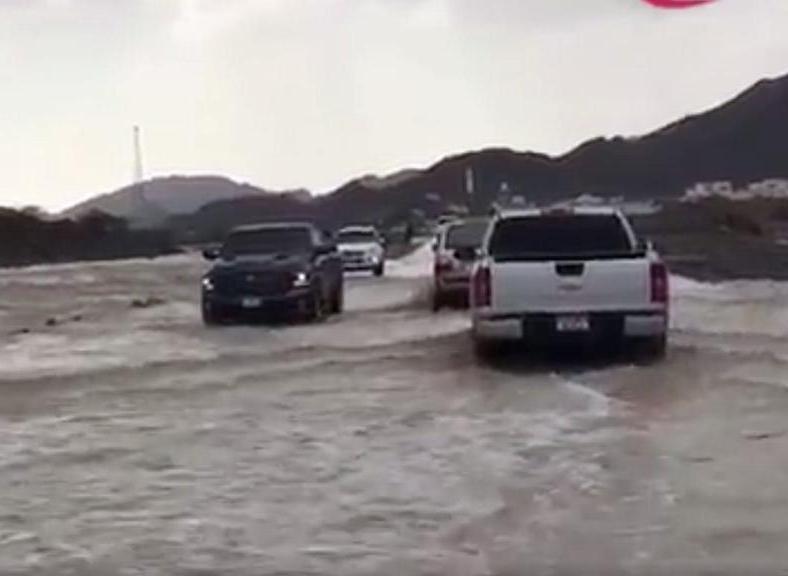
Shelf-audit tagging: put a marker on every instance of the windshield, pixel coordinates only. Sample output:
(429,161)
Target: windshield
(559,236)
(467,235)
(268,241)
(357,237)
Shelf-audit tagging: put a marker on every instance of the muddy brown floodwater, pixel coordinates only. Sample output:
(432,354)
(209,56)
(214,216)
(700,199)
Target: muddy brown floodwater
(135,441)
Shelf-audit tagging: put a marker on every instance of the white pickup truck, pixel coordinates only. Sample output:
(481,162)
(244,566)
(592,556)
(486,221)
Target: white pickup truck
(575,274)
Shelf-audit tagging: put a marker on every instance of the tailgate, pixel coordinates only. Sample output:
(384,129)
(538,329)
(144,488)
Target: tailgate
(565,286)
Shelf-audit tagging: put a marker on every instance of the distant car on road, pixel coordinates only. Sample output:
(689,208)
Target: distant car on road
(281,269)
(456,248)
(574,274)
(362,249)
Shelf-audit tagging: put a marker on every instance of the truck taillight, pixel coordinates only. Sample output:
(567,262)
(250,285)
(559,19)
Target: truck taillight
(482,288)
(660,288)
(443,265)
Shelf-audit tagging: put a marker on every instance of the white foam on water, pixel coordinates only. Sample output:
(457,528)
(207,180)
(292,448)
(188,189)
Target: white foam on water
(730,308)
(730,291)
(47,278)
(384,330)
(772,373)
(99,265)
(598,404)
(415,265)
(53,355)
(168,314)
(370,294)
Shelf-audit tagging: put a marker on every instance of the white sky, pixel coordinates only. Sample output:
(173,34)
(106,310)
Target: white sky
(310,93)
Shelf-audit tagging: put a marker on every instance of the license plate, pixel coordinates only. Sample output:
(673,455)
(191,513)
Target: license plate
(576,323)
(251,302)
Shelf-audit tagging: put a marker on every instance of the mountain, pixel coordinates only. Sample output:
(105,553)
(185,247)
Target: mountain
(744,140)
(374,182)
(154,201)
(741,141)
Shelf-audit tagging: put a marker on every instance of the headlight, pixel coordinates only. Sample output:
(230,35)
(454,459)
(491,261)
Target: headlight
(207,284)
(301,280)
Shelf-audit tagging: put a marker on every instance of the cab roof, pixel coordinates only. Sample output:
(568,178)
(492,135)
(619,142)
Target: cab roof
(357,228)
(568,210)
(272,226)
(466,221)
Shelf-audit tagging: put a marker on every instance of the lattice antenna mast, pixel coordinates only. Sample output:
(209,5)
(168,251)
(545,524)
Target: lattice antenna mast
(139,199)
(139,174)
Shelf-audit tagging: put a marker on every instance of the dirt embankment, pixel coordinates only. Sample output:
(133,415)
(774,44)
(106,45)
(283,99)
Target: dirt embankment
(26,239)
(718,239)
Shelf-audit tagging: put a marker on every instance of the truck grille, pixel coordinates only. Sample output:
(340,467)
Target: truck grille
(253,284)
(354,257)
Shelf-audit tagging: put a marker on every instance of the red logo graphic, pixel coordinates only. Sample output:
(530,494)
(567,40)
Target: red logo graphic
(678,3)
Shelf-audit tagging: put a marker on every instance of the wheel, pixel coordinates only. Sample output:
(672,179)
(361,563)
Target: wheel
(380,270)
(316,306)
(437,301)
(338,301)
(485,350)
(210,315)
(655,348)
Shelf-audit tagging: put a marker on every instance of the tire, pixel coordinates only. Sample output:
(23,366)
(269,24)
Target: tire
(485,350)
(338,301)
(653,349)
(380,270)
(316,309)
(210,316)
(437,301)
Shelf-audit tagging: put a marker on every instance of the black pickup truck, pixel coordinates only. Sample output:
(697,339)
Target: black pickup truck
(273,269)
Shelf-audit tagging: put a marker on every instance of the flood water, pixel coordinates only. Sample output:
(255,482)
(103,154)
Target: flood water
(136,441)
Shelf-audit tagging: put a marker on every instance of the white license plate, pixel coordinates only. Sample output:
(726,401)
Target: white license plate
(251,302)
(575,323)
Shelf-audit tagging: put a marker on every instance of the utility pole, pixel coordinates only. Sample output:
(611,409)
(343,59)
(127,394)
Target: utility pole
(139,174)
(470,190)
(138,196)
(470,184)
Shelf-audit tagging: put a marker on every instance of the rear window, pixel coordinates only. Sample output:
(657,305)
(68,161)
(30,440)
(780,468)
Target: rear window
(467,235)
(269,241)
(357,236)
(559,236)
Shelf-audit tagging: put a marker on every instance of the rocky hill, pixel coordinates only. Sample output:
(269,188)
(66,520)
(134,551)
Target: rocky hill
(150,204)
(742,141)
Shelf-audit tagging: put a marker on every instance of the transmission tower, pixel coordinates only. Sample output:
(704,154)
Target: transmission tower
(139,174)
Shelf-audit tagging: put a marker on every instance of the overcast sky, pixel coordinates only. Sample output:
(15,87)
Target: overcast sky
(309,93)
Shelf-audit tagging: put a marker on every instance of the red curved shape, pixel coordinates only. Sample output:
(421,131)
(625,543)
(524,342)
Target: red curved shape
(678,3)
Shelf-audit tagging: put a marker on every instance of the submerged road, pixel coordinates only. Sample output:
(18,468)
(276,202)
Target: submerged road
(136,441)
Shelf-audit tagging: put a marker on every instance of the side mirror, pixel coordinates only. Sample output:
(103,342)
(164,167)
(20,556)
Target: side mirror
(645,245)
(211,254)
(325,248)
(434,245)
